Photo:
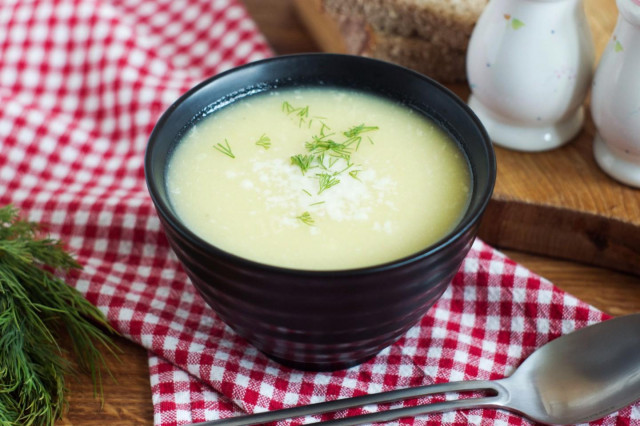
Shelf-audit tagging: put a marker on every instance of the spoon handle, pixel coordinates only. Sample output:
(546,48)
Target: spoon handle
(398,413)
(377,398)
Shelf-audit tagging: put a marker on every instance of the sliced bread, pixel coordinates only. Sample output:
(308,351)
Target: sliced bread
(441,21)
(429,36)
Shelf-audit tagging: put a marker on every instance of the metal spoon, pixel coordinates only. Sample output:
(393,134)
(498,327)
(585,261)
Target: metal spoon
(577,378)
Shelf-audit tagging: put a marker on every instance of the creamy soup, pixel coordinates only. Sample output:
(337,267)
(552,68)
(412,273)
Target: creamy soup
(318,179)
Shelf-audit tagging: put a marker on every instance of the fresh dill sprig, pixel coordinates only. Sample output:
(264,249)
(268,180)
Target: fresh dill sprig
(323,127)
(320,120)
(320,161)
(264,141)
(225,149)
(326,181)
(302,161)
(302,113)
(329,147)
(306,219)
(36,306)
(344,169)
(287,107)
(358,130)
(353,135)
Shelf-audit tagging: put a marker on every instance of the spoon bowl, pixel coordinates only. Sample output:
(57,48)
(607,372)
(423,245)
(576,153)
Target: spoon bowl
(576,378)
(580,377)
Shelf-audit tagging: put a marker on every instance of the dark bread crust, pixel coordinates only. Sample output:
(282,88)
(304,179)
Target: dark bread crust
(442,21)
(429,36)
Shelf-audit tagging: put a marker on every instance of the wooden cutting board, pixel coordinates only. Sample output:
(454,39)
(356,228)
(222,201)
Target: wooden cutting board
(557,203)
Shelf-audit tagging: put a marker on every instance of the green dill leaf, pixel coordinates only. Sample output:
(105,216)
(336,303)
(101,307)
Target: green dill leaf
(347,167)
(354,174)
(358,130)
(329,147)
(326,181)
(303,112)
(287,107)
(302,161)
(264,141)
(323,127)
(353,135)
(320,161)
(36,305)
(351,141)
(306,219)
(225,149)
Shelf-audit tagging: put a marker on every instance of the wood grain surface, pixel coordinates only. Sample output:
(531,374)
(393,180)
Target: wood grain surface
(127,400)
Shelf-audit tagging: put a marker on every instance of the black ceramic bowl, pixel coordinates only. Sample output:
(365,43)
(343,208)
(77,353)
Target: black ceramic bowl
(321,320)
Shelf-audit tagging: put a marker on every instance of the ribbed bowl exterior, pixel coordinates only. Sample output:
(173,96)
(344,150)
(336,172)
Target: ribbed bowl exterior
(323,320)
(320,322)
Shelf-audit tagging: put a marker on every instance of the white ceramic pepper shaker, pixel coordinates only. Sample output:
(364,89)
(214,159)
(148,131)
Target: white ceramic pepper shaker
(615,99)
(529,66)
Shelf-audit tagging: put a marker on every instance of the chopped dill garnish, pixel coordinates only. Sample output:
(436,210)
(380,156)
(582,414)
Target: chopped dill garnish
(322,129)
(349,165)
(264,141)
(302,161)
(353,135)
(307,192)
(287,107)
(301,112)
(326,181)
(326,149)
(319,202)
(225,149)
(306,218)
(358,130)
(320,160)
(355,140)
(328,146)
(303,116)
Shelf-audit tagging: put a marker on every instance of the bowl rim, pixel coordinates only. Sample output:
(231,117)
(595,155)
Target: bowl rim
(471,217)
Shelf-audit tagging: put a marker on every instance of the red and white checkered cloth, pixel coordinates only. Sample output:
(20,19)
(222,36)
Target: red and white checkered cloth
(82,83)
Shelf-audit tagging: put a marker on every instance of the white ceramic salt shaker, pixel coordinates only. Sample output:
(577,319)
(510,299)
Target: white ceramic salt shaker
(615,99)
(529,66)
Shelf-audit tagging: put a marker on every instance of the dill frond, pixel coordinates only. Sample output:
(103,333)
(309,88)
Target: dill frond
(225,149)
(264,141)
(306,218)
(36,305)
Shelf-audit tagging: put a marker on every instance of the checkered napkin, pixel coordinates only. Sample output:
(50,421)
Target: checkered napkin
(82,83)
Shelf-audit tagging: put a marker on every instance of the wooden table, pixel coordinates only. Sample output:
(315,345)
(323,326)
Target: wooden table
(128,401)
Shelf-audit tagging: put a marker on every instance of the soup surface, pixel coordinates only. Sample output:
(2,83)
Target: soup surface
(318,179)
